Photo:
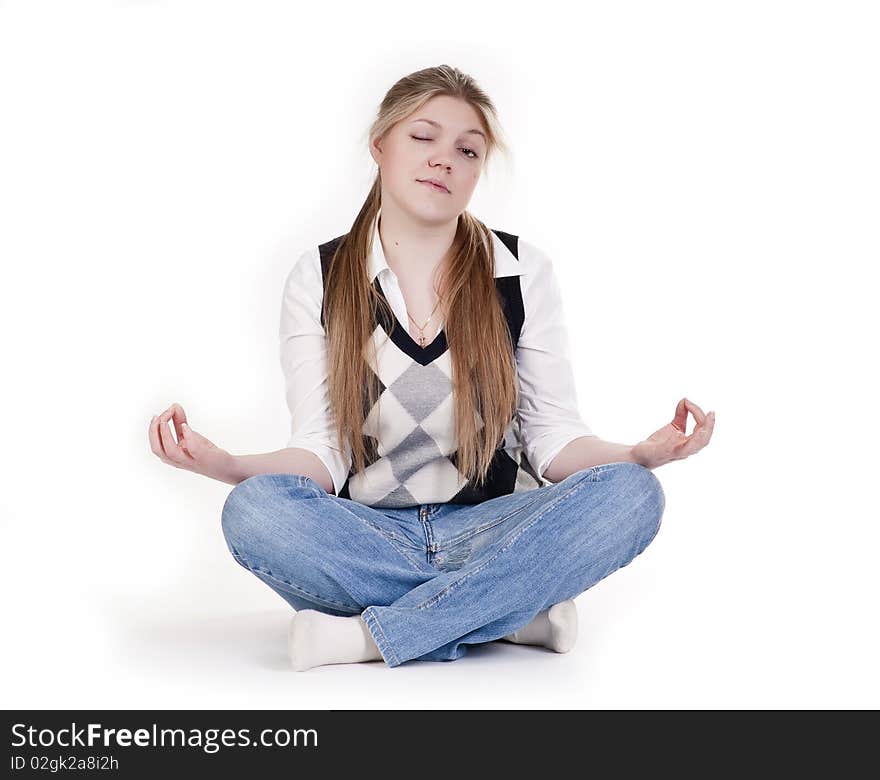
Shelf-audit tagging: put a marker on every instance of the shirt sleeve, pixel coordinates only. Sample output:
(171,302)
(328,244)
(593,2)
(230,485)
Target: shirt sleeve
(303,349)
(548,411)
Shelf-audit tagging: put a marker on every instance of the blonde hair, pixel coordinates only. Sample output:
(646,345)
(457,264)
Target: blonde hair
(483,367)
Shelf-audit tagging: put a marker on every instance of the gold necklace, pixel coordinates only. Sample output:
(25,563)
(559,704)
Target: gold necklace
(422,327)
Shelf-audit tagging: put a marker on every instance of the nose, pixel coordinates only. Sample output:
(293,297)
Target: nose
(443,160)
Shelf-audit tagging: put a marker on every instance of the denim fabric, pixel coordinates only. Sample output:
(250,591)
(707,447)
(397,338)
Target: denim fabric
(430,580)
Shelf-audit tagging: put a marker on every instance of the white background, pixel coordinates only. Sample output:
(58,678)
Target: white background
(705,177)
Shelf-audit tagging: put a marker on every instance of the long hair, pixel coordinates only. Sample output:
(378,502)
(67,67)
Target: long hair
(478,338)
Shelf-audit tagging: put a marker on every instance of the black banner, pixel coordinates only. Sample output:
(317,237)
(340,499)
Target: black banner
(132,743)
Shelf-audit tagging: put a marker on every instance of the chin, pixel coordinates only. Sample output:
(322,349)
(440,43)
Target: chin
(437,213)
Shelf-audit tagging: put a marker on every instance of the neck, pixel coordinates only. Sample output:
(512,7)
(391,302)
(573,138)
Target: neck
(414,248)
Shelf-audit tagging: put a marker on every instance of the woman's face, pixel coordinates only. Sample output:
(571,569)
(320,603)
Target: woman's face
(444,148)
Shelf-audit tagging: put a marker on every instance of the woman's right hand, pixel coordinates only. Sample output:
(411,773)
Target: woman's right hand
(191,451)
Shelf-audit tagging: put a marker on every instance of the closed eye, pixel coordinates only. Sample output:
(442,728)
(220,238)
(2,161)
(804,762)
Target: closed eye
(463,148)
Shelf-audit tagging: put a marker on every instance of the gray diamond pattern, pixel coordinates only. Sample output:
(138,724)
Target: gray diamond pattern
(421,389)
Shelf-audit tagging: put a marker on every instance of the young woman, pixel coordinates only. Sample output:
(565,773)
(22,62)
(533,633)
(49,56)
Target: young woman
(439,488)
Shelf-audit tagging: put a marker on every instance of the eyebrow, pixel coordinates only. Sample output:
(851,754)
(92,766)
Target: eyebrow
(437,124)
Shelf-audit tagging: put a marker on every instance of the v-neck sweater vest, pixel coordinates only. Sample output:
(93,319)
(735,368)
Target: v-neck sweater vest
(409,434)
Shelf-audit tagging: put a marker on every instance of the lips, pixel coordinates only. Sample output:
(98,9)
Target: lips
(437,185)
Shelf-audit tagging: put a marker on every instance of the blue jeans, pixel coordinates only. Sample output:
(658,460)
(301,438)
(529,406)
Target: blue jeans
(430,580)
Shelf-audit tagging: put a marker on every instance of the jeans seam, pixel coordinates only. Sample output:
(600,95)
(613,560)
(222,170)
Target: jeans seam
(387,534)
(306,594)
(589,477)
(659,523)
(383,644)
(305,481)
(413,561)
(486,526)
(393,540)
(437,597)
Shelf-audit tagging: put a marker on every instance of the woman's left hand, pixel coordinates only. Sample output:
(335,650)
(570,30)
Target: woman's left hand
(671,442)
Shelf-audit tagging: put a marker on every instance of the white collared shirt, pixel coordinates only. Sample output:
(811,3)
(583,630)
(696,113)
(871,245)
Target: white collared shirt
(547,412)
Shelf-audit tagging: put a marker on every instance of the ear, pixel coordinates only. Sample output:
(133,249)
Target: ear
(376,150)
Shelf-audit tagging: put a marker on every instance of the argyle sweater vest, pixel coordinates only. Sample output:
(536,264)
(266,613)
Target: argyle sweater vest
(409,434)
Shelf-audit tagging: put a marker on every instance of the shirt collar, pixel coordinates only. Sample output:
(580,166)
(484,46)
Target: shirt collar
(505,263)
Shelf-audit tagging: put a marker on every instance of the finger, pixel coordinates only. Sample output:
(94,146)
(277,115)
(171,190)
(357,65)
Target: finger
(178,416)
(710,427)
(155,443)
(697,440)
(681,416)
(169,446)
(698,413)
(184,441)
